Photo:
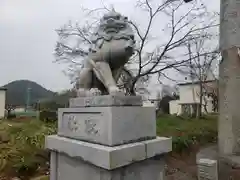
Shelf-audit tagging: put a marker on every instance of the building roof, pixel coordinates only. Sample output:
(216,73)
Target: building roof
(3,89)
(196,82)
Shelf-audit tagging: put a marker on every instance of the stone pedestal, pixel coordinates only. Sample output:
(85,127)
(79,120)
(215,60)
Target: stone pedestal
(207,169)
(111,139)
(228,166)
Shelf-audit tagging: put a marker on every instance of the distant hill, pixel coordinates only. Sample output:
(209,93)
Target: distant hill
(17,92)
(59,100)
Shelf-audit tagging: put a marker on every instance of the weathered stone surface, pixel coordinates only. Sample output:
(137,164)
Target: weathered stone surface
(106,100)
(231,160)
(229,114)
(72,169)
(158,146)
(53,164)
(111,48)
(108,157)
(230,24)
(228,165)
(210,152)
(207,169)
(108,125)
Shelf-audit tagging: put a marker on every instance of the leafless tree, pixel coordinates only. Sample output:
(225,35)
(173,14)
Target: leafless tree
(200,70)
(141,87)
(170,24)
(10,108)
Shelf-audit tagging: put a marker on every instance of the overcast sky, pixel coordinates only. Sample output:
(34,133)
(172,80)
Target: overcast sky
(27,37)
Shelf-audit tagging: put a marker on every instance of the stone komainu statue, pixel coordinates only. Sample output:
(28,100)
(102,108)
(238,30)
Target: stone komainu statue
(112,46)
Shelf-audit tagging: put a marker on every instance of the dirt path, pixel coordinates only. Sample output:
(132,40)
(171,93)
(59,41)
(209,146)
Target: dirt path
(181,167)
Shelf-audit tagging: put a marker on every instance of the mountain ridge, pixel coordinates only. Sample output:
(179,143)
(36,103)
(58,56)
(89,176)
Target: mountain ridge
(20,90)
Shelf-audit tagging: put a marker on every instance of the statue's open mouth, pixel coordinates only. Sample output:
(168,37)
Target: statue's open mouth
(111,30)
(113,27)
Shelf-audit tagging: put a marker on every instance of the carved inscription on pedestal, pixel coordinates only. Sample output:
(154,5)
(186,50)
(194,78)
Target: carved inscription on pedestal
(83,124)
(72,123)
(90,126)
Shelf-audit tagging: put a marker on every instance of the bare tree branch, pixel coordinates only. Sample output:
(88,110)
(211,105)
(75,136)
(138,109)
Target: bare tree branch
(199,68)
(167,53)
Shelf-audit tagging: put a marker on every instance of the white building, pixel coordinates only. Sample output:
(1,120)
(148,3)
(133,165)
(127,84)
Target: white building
(189,101)
(2,101)
(19,109)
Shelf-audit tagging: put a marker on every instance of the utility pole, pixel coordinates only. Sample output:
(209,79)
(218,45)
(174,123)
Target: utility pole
(28,98)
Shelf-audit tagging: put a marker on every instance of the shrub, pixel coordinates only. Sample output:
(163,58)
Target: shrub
(47,115)
(11,116)
(186,132)
(181,143)
(25,152)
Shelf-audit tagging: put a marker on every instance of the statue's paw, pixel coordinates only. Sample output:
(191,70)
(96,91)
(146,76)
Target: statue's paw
(82,92)
(95,92)
(115,91)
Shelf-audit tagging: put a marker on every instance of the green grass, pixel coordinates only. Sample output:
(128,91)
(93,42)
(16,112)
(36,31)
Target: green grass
(24,153)
(187,132)
(27,114)
(41,178)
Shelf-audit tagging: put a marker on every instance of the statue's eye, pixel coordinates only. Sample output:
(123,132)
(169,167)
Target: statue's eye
(117,17)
